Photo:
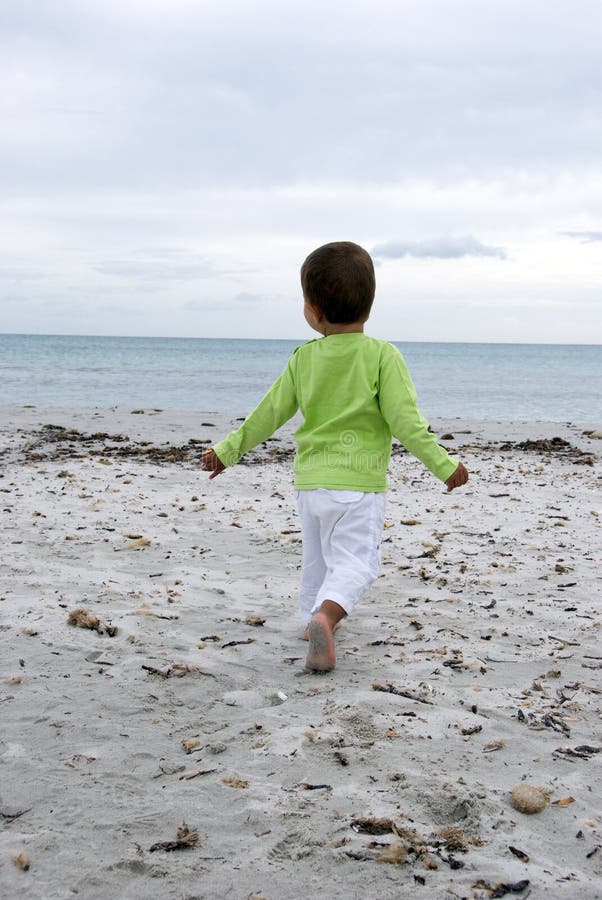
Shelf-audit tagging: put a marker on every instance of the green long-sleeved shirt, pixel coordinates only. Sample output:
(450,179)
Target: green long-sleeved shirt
(355,393)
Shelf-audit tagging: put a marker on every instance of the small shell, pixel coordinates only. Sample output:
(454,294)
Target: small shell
(21,860)
(235,782)
(528,798)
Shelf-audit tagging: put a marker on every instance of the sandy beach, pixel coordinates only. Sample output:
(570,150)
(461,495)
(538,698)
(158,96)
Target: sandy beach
(175,747)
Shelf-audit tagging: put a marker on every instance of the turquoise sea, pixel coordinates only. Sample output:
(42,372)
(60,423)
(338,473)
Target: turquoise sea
(521,382)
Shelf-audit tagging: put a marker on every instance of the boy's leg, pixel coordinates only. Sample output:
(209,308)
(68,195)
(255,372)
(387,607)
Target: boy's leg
(313,567)
(351,537)
(352,549)
(332,612)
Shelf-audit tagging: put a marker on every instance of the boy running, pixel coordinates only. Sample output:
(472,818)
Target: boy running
(355,393)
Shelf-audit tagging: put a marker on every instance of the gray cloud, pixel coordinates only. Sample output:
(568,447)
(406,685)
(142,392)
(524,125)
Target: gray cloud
(249,297)
(441,248)
(586,237)
(150,146)
(185,93)
(246,299)
(154,271)
(169,268)
(20,274)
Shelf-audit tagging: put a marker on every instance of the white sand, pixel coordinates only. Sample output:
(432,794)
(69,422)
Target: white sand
(487,610)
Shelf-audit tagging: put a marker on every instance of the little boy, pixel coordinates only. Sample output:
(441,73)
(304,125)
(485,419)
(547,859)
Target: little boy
(354,392)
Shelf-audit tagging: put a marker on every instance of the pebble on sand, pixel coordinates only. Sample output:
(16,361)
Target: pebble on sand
(529,798)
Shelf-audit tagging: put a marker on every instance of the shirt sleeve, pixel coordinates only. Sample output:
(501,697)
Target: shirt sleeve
(397,399)
(277,407)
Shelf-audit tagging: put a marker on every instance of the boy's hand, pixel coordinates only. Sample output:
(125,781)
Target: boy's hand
(211,462)
(459,477)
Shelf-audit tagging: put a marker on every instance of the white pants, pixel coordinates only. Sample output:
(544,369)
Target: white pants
(342,531)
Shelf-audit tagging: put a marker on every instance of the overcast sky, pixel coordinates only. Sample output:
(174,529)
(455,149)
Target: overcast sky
(166,165)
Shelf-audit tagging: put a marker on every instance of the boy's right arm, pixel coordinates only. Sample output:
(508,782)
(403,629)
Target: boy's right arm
(277,407)
(459,477)
(398,405)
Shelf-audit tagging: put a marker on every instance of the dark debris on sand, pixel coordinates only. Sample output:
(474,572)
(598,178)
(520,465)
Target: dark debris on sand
(55,442)
(555,446)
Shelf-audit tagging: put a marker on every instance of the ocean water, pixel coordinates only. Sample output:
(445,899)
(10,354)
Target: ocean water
(507,382)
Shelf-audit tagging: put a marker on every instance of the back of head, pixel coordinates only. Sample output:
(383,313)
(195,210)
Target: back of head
(339,279)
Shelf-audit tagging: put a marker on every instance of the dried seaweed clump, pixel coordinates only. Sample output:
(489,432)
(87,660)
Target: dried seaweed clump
(454,838)
(410,845)
(81,618)
(396,854)
(373,825)
(548,446)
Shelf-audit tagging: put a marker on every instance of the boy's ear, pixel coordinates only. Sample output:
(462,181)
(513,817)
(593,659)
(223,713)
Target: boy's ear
(316,310)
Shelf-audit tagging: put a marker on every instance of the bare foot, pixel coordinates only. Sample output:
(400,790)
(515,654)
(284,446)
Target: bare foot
(321,655)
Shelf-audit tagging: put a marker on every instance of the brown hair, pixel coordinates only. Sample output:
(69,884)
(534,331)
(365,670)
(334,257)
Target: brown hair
(339,279)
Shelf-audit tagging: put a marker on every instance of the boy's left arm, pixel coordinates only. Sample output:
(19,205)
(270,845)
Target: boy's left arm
(210,462)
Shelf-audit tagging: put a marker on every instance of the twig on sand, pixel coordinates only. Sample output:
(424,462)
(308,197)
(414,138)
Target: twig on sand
(184,841)
(401,692)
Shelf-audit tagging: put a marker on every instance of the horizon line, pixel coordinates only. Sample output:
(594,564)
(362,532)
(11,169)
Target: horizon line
(157,337)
